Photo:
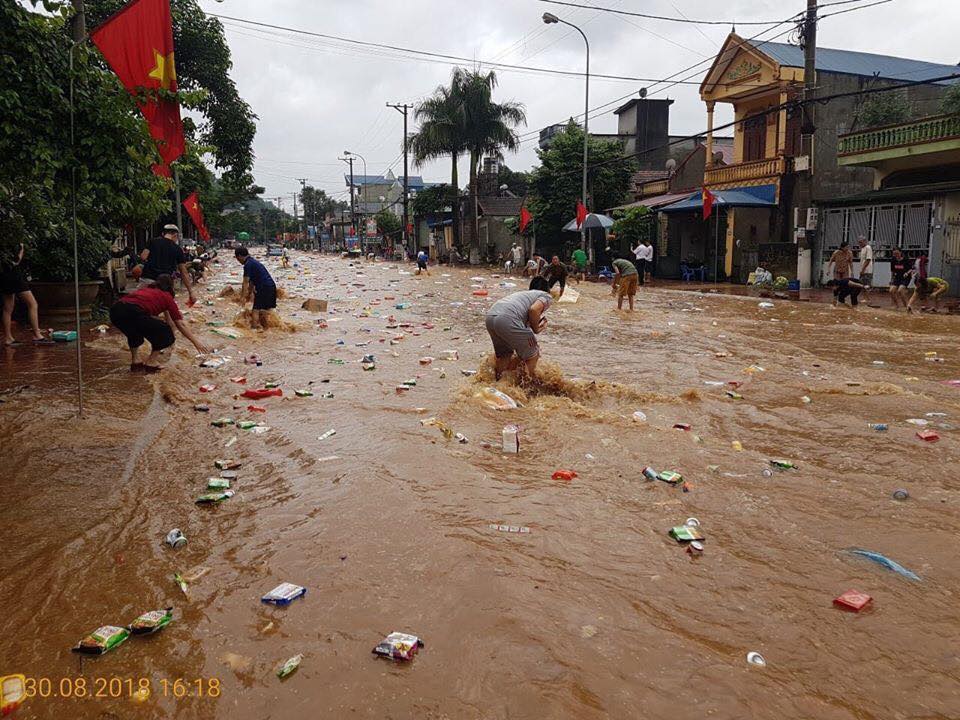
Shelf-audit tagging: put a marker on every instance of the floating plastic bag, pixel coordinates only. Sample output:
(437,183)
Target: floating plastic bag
(497,400)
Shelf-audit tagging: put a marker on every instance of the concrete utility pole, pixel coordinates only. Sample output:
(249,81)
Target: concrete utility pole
(79,22)
(803,199)
(303,186)
(279,214)
(403,108)
(353,214)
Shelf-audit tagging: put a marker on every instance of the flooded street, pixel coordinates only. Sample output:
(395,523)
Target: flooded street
(596,612)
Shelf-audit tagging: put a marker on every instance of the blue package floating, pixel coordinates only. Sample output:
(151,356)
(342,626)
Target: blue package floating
(284,594)
(884,561)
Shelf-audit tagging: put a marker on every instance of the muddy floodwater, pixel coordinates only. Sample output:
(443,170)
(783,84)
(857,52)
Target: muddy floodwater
(596,612)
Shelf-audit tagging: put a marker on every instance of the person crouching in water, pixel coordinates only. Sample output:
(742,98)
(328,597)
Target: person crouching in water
(258,282)
(846,288)
(514,323)
(136,316)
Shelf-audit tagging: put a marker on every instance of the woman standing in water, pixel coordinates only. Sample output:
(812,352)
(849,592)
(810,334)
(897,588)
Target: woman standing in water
(136,316)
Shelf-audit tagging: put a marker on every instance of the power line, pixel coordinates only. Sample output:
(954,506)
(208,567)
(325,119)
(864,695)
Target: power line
(669,80)
(447,59)
(669,18)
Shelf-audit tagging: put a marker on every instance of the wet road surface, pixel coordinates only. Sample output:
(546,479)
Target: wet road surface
(596,612)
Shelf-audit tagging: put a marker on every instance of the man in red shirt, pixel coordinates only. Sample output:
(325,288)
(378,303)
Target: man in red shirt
(136,316)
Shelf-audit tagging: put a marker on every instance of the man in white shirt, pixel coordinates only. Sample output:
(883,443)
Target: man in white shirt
(643,252)
(866,262)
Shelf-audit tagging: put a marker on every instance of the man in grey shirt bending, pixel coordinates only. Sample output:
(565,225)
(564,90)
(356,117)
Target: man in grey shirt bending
(514,323)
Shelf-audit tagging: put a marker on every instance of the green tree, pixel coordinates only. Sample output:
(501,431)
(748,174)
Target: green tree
(634,224)
(433,200)
(517,182)
(316,203)
(884,108)
(441,134)
(489,128)
(950,102)
(556,183)
(111,157)
(388,223)
(227,123)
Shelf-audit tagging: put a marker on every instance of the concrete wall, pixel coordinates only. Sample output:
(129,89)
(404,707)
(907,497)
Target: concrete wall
(841,116)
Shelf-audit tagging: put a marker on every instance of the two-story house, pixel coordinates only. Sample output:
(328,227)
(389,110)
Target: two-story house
(757,226)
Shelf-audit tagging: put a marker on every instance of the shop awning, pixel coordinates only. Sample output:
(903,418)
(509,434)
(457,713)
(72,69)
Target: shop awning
(652,202)
(755,196)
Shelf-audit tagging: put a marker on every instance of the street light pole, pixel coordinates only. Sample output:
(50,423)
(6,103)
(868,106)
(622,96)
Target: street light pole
(551,19)
(353,215)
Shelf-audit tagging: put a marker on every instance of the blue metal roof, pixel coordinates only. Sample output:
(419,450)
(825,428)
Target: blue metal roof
(751,196)
(416,181)
(858,63)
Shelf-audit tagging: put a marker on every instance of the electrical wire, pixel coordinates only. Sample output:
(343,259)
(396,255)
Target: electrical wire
(427,55)
(669,18)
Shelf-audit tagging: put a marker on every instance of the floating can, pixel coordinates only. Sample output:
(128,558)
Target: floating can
(176,539)
(650,474)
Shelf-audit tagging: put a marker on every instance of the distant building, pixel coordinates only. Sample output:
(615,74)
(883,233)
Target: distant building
(643,130)
(382,192)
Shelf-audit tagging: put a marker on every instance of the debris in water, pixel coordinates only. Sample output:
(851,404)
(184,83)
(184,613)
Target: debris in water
(755,658)
(496,399)
(884,561)
(398,646)
(284,594)
(289,667)
(852,600)
(102,640)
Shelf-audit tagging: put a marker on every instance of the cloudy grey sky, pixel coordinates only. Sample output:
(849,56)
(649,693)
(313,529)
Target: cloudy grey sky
(316,98)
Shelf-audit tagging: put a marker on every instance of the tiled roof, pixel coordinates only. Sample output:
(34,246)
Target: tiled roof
(500,206)
(858,63)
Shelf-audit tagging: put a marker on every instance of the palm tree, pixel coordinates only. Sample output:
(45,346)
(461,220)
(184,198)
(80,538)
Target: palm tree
(441,133)
(463,118)
(488,127)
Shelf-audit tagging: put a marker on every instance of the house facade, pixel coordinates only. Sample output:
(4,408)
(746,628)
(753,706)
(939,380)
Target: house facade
(760,80)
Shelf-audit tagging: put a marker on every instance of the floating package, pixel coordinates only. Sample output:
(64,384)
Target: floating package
(398,646)
(284,594)
(151,622)
(102,640)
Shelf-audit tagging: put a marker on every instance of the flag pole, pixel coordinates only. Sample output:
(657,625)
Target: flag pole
(176,184)
(716,246)
(76,261)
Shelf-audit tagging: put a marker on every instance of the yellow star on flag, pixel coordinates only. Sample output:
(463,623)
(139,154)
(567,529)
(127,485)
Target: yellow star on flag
(163,70)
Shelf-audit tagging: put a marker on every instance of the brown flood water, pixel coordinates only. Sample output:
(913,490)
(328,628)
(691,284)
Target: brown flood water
(595,613)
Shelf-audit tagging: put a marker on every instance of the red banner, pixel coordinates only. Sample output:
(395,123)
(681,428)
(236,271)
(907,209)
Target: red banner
(581,213)
(525,218)
(137,43)
(195,211)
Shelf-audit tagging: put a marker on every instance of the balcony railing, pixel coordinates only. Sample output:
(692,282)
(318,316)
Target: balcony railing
(745,171)
(653,187)
(919,132)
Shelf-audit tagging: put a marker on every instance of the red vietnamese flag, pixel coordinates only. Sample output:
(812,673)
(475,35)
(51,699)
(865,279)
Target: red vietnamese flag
(525,218)
(581,213)
(195,211)
(708,199)
(137,43)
